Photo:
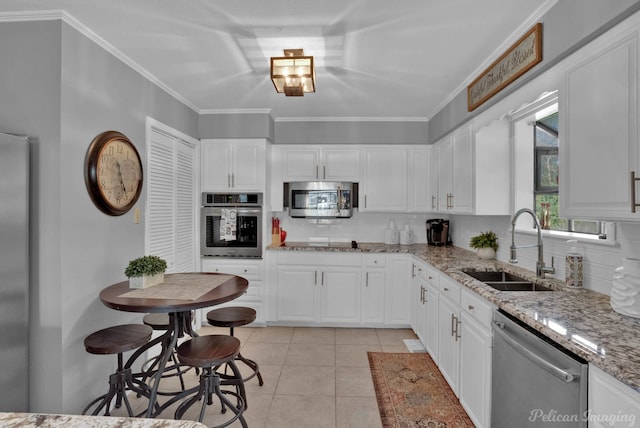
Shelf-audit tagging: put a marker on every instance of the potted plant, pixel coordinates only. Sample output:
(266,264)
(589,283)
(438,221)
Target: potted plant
(145,271)
(485,244)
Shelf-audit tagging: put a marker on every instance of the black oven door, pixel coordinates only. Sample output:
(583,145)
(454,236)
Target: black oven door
(231,232)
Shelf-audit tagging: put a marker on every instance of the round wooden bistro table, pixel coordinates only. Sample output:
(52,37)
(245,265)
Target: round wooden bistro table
(178,295)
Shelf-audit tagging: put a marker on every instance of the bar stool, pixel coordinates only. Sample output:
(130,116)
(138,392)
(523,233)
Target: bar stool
(209,353)
(236,316)
(116,340)
(161,322)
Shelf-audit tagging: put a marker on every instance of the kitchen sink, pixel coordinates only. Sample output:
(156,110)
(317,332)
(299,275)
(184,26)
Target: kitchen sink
(505,281)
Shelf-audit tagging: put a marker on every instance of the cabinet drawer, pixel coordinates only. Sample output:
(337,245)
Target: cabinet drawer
(450,288)
(250,272)
(420,270)
(433,276)
(319,258)
(476,306)
(375,260)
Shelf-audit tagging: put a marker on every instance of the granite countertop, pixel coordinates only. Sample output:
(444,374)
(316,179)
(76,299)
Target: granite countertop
(44,420)
(578,319)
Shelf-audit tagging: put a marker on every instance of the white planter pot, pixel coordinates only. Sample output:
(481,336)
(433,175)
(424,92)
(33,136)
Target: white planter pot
(486,253)
(145,281)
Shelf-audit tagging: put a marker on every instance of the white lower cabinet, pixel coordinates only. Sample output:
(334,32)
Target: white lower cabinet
(475,357)
(449,332)
(397,298)
(611,403)
(328,288)
(252,270)
(432,302)
(326,292)
(374,284)
(464,346)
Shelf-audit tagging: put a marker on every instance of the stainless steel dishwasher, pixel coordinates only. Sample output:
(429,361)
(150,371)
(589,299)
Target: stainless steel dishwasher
(535,383)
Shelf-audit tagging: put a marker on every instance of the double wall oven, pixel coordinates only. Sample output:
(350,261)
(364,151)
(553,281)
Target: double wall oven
(231,225)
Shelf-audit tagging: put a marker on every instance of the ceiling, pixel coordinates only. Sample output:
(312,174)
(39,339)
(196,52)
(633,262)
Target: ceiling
(379,59)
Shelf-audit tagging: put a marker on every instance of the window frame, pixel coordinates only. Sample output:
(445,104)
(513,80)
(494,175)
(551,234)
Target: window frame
(542,107)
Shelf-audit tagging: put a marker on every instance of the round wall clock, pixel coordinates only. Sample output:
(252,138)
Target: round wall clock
(113,173)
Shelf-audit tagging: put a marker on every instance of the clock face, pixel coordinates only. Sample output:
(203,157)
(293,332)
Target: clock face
(113,173)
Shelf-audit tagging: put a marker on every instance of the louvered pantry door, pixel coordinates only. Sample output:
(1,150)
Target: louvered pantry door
(171,200)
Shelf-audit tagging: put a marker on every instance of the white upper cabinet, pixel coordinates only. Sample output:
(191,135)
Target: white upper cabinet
(237,165)
(383,187)
(462,179)
(473,170)
(419,186)
(598,113)
(324,164)
(455,172)
(432,185)
(492,170)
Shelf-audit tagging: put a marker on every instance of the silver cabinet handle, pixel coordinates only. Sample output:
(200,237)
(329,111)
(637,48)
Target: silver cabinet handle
(322,278)
(233,180)
(453,322)
(324,172)
(228,180)
(315,278)
(317,176)
(457,335)
(366,283)
(634,181)
(433,202)
(471,307)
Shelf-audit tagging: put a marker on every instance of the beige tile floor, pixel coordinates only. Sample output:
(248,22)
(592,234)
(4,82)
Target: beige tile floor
(313,377)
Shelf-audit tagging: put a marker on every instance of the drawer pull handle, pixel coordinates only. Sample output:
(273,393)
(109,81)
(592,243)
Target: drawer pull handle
(471,307)
(446,289)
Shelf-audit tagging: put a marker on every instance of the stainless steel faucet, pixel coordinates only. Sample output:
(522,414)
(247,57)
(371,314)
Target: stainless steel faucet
(541,269)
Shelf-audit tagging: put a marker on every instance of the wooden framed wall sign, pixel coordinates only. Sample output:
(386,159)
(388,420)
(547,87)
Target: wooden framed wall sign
(517,60)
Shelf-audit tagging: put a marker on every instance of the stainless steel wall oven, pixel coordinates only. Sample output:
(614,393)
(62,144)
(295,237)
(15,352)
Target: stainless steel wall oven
(231,225)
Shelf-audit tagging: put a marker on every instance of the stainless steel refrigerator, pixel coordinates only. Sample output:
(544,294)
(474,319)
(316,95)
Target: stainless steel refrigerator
(14,273)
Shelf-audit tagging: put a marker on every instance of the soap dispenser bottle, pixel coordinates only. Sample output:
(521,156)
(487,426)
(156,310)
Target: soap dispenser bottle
(573,269)
(391,234)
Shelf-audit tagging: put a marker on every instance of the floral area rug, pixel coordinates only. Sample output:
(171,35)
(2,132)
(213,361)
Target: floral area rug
(411,392)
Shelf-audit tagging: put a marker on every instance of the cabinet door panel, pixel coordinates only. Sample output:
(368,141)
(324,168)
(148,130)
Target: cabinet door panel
(249,166)
(475,370)
(373,296)
(448,345)
(300,164)
(445,165)
(215,165)
(341,164)
(598,125)
(296,293)
(462,172)
(418,181)
(385,180)
(340,295)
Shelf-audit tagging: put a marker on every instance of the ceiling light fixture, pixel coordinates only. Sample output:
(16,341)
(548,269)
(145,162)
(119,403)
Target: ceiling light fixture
(293,74)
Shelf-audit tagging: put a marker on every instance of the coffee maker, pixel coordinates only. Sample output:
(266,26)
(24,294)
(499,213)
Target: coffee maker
(438,232)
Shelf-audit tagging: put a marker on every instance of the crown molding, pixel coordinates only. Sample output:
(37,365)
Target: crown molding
(238,111)
(351,119)
(52,15)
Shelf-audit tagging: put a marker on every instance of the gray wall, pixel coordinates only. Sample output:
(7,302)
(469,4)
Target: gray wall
(262,125)
(236,125)
(61,89)
(351,132)
(568,25)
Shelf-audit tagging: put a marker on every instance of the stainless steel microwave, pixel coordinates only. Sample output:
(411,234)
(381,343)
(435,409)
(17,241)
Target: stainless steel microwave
(320,199)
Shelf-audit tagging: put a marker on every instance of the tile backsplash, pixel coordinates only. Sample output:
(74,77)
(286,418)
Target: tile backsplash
(600,260)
